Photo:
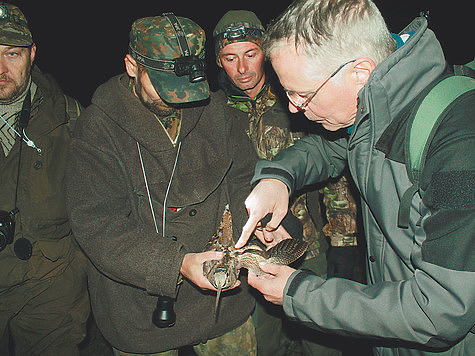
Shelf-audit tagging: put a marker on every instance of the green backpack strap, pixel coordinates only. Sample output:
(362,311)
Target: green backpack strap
(427,119)
(465,69)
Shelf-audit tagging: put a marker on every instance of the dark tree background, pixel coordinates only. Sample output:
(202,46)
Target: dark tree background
(83,43)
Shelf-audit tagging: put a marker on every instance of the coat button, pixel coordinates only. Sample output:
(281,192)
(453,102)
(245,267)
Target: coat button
(192,212)
(38,165)
(372,258)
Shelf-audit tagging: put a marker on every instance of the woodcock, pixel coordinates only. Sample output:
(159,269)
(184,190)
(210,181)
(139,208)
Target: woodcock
(224,273)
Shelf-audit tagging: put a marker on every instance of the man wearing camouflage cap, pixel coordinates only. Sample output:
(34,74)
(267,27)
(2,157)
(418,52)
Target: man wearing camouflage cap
(153,164)
(261,107)
(44,301)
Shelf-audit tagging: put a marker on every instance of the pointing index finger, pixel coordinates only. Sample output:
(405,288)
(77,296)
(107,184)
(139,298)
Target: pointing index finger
(247,230)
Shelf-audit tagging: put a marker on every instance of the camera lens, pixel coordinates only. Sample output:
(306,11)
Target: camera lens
(7,228)
(197,75)
(164,316)
(3,241)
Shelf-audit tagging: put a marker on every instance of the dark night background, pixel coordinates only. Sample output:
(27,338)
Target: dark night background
(83,43)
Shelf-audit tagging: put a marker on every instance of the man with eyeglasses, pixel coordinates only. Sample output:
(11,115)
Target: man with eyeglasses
(339,64)
(259,102)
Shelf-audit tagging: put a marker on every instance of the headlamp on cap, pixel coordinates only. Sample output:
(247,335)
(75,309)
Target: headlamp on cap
(5,15)
(240,32)
(191,65)
(3,12)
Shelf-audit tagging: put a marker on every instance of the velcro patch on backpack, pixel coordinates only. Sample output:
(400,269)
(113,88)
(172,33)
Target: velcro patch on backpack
(453,190)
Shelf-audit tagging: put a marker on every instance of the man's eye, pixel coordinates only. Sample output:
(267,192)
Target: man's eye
(12,54)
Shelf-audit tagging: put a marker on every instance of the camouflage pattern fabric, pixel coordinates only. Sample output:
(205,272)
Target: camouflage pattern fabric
(340,206)
(341,210)
(268,141)
(155,39)
(172,125)
(238,342)
(14,29)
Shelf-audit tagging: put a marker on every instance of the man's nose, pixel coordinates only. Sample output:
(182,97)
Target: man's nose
(3,66)
(242,67)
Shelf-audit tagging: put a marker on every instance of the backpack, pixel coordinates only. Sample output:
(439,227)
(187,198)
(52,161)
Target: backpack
(73,110)
(426,118)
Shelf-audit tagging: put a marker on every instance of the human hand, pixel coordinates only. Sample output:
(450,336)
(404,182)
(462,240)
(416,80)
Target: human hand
(271,284)
(192,268)
(269,196)
(271,238)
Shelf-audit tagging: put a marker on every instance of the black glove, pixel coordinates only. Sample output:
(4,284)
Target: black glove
(341,261)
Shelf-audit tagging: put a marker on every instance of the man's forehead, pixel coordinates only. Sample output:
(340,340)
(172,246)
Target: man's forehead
(290,66)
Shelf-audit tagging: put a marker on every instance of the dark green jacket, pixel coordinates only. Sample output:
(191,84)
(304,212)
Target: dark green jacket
(112,218)
(42,218)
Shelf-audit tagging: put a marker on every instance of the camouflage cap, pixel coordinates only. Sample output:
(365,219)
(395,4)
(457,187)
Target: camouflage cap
(14,29)
(152,40)
(237,26)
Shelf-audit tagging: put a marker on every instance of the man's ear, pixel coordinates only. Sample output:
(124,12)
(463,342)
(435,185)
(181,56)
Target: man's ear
(362,69)
(32,53)
(131,66)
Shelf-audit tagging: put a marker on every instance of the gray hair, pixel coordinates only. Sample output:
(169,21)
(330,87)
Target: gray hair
(330,33)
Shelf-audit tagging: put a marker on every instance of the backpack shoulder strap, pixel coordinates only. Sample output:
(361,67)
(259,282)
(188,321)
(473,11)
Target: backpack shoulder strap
(465,69)
(427,118)
(73,110)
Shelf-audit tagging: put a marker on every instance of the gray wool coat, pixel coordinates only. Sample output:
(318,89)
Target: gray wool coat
(112,216)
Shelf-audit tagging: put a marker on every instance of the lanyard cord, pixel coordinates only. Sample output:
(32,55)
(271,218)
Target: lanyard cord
(168,188)
(166,194)
(23,123)
(146,186)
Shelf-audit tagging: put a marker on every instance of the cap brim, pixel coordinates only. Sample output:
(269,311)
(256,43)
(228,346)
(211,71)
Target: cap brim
(177,90)
(14,39)
(12,34)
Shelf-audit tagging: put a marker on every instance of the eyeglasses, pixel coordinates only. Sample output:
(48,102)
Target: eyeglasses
(304,100)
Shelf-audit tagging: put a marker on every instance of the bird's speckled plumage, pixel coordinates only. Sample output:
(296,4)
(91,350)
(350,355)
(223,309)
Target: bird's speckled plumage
(224,273)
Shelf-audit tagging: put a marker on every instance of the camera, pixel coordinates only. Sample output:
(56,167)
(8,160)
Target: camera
(7,227)
(164,316)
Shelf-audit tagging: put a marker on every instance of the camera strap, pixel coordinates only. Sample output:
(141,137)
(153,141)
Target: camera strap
(22,124)
(23,248)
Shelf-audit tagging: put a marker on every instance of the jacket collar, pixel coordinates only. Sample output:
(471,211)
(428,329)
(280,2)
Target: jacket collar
(233,92)
(126,110)
(401,77)
(45,100)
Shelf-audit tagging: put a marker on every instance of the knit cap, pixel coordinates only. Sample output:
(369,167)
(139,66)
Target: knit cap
(237,26)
